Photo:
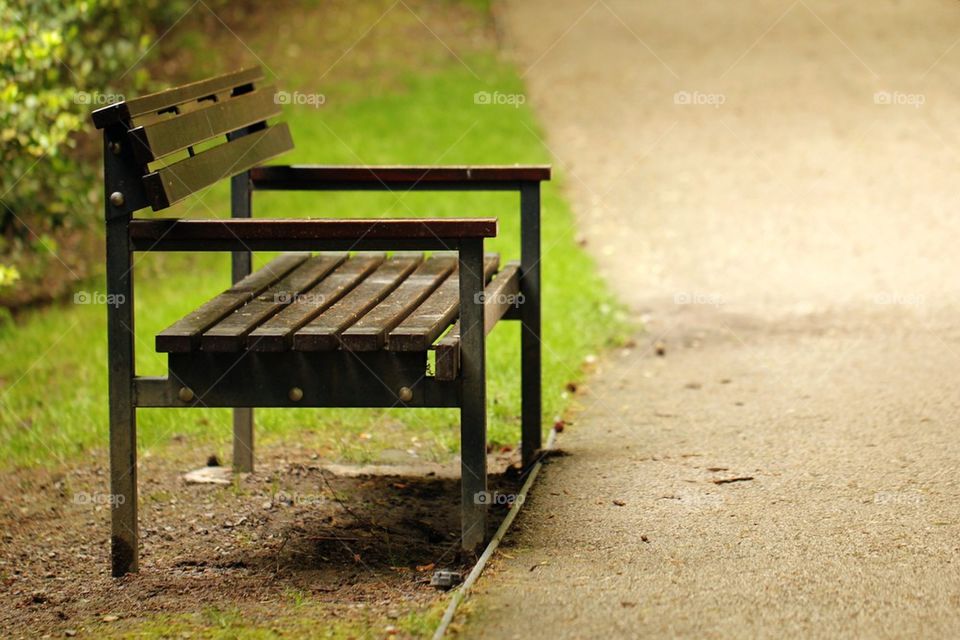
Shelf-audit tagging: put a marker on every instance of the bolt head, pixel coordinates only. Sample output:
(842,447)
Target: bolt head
(185,394)
(115,148)
(116,199)
(405,394)
(296,394)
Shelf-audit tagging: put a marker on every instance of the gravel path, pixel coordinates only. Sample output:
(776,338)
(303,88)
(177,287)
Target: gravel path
(772,189)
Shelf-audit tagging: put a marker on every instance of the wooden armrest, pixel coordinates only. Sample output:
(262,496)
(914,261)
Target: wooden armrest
(173,234)
(305,177)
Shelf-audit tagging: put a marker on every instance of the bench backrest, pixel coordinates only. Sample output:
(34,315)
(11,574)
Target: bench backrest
(176,131)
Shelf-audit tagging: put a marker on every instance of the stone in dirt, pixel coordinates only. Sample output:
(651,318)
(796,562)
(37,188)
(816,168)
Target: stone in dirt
(445,579)
(209,475)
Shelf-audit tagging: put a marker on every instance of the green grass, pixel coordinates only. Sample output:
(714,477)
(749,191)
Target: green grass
(53,402)
(306,618)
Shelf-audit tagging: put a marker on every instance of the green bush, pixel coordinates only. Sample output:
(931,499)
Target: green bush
(59,59)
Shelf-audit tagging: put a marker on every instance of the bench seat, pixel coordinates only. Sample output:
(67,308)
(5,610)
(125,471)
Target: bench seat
(359,302)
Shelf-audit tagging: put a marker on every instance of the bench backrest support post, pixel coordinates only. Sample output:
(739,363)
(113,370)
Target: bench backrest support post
(122,195)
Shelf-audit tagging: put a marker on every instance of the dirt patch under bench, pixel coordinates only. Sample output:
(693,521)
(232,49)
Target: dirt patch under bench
(357,546)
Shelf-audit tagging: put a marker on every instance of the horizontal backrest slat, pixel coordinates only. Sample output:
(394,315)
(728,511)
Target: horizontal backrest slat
(156,140)
(163,100)
(175,182)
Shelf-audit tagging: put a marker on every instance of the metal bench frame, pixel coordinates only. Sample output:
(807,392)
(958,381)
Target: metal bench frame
(124,194)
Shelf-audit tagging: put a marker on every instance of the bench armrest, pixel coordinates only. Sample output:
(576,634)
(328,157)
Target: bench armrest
(174,234)
(395,177)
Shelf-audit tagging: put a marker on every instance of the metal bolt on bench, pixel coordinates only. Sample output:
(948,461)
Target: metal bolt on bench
(349,326)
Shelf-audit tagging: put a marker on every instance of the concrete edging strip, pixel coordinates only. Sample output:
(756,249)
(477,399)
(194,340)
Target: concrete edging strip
(478,568)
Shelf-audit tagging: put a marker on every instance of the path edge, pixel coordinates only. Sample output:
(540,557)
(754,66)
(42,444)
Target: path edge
(461,593)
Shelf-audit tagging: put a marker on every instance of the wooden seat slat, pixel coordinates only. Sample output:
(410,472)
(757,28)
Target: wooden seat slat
(499,296)
(276,334)
(369,333)
(156,140)
(230,333)
(322,333)
(176,181)
(184,335)
(425,324)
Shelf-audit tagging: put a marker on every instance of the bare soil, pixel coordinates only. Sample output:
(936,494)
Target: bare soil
(363,545)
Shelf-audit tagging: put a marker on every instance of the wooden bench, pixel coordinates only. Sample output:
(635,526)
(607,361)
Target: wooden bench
(348,317)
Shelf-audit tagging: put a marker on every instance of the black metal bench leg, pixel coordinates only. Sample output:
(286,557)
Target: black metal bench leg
(123,414)
(243,440)
(530,338)
(473,396)
(241,266)
(124,547)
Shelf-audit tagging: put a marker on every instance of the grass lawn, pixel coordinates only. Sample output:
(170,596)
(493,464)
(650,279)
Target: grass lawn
(53,402)
(299,620)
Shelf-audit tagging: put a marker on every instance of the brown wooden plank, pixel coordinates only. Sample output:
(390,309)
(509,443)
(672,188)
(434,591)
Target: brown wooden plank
(230,333)
(180,179)
(448,355)
(276,334)
(308,176)
(499,295)
(156,140)
(168,98)
(418,331)
(155,232)
(321,333)
(184,335)
(369,333)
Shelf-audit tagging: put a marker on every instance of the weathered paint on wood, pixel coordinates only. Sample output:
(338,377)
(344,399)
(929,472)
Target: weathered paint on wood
(184,334)
(176,181)
(164,137)
(322,333)
(164,100)
(499,296)
(370,332)
(419,330)
(308,177)
(276,334)
(230,334)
